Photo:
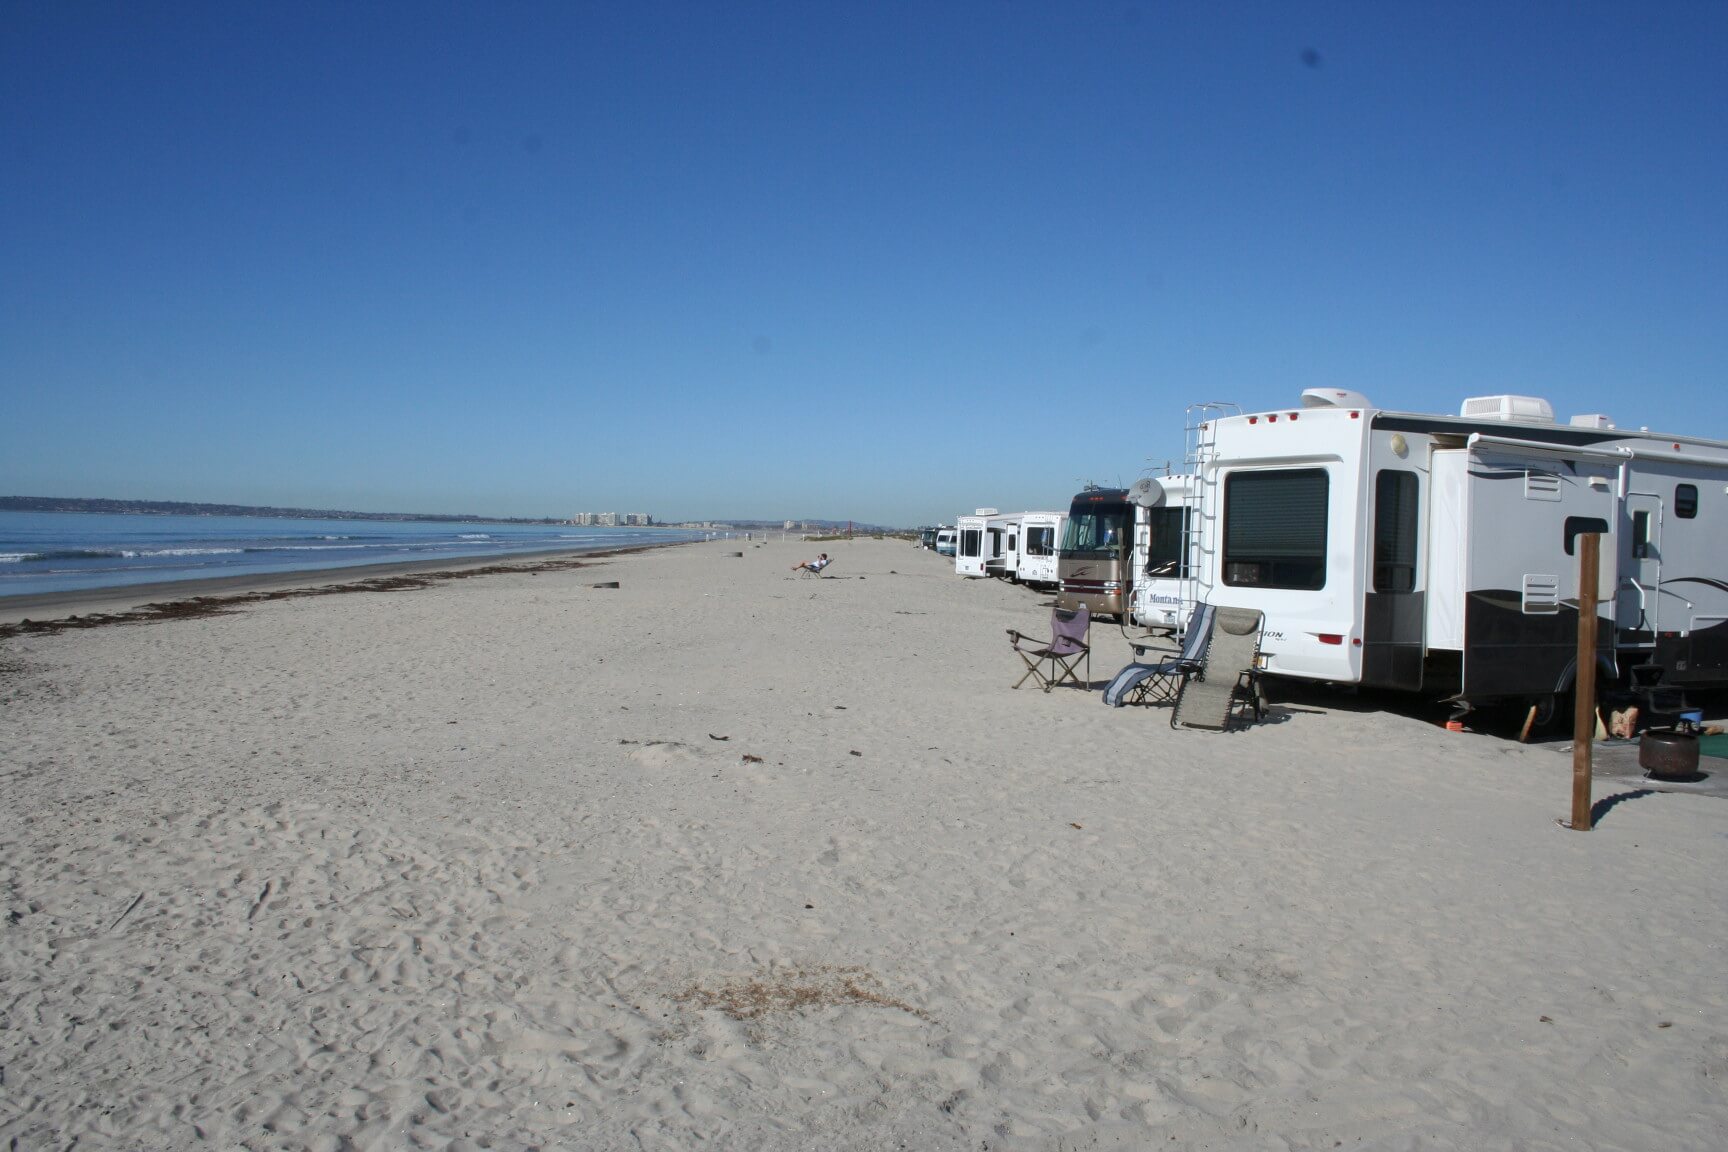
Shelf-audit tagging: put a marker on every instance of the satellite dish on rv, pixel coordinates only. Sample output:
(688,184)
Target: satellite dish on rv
(1333,398)
(1146,492)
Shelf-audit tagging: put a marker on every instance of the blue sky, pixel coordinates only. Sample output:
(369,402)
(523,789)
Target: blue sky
(875,261)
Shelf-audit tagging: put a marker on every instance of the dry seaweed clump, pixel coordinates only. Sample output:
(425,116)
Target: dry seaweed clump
(793,990)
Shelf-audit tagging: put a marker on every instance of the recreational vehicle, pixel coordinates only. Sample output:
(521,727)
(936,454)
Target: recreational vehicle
(1095,568)
(1165,557)
(1002,546)
(927,538)
(970,555)
(1439,554)
(1040,533)
(1131,553)
(945,541)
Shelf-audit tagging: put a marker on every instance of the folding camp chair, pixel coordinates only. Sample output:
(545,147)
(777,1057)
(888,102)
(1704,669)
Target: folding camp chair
(812,570)
(1160,680)
(1229,686)
(1068,646)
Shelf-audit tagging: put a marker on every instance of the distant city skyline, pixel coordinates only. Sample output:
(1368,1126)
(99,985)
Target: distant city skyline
(611,519)
(888,262)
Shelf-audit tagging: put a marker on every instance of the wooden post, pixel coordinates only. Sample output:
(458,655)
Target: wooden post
(1584,683)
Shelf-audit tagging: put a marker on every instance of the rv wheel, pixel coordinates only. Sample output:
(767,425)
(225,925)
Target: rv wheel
(1553,714)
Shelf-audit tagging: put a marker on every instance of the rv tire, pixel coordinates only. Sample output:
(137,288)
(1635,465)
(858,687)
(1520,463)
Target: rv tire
(1549,711)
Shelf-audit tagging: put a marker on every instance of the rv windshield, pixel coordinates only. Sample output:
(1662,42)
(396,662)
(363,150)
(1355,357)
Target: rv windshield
(1093,530)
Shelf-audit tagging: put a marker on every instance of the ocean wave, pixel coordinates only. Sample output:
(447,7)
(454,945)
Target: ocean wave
(65,554)
(474,536)
(184,552)
(111,554)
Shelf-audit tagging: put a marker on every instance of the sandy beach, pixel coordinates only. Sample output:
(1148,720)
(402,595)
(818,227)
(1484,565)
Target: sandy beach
(731,857)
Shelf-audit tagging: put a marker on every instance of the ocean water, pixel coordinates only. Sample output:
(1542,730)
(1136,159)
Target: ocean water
(63,552)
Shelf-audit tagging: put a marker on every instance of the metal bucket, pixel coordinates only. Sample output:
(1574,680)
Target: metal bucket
(1668,755)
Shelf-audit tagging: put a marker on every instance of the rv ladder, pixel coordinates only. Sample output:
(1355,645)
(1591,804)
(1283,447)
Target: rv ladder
(1200,444)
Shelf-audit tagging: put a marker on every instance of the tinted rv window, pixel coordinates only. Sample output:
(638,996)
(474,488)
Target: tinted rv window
(1275,529)
(1040,541)
(1164,550)
(1395,532)
(1686,501)
(969,542)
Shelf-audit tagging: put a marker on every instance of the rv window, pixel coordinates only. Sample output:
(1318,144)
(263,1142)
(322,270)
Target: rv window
(1275,529)
(1040,541)
(1640,535)
(1578,525)
(969,541)
(1164,545)
(1395,532)
(1686,501)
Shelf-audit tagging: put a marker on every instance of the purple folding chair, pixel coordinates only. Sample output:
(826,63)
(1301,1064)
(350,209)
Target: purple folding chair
(1070,633)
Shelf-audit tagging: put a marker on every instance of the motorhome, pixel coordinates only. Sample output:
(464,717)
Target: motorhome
(927,538)
(946,539)
(970,554)
(1095,567)
(1040,533)
(1439,554)
(1165,558)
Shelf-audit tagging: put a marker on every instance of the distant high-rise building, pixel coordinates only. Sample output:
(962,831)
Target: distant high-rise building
(612,519)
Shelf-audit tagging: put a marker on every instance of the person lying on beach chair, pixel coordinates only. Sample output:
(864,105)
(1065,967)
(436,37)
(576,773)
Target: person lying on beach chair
(814,567)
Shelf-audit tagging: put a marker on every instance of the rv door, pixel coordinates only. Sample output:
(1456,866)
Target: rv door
(1394,605)
(1637,598)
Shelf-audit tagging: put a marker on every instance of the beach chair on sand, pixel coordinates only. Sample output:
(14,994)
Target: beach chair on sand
(1159,680)
(1070,634)
(1229,686)
(814,569)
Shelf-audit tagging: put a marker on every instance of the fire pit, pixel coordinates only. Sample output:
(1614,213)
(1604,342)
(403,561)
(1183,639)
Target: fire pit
(1669,754)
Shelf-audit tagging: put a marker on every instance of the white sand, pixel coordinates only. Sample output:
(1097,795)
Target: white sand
(464,867)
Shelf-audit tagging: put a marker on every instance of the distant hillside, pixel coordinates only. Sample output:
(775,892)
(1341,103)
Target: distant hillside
(182,508)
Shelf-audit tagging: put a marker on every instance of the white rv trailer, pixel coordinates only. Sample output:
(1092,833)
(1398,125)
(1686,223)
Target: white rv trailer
(1437,553)
(1165,552)
(1040,532)
(971,551)
(1002,545)
(947,541)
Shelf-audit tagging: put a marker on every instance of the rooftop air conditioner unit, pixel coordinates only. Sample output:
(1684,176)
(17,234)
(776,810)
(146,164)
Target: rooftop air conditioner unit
(1333,398)
(1517,409)
(984,512)
(1594,420)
